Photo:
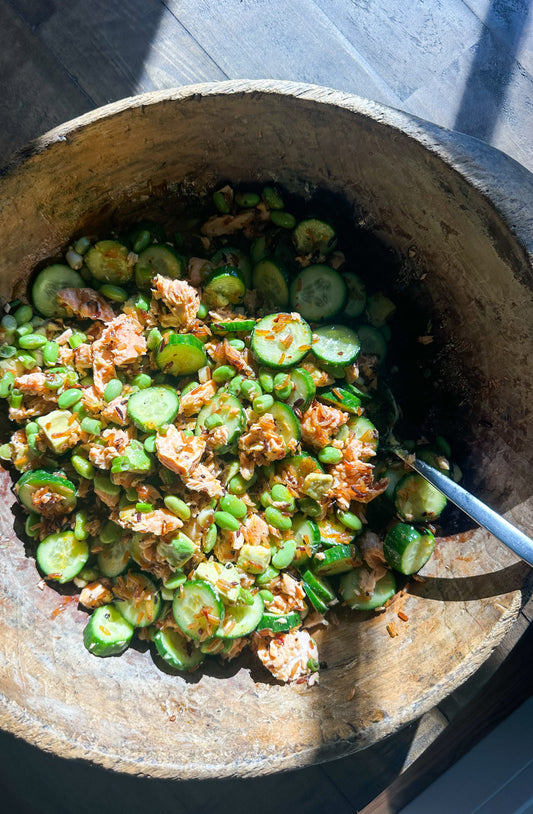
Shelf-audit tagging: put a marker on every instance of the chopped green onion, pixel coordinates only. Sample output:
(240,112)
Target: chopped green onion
(142,506)
(154,339)
(92,426)
(77,339)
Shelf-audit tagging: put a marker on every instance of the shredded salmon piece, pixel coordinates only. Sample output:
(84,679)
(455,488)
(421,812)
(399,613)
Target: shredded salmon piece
(34,384)
(288,656)
(289,595)
(83,357)
(255,530)
(353,477)
(203,480)
(96,594)
(192,402)
(260,445)
(371,549)
(320,423)
(228,224)
(158,521)
(320,377)
(180,298)
(116,442)
(225,354)
(121,343)
(85,303)
(178,452)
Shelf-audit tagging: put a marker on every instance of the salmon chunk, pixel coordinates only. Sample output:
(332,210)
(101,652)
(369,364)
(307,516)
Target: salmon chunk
(85,303)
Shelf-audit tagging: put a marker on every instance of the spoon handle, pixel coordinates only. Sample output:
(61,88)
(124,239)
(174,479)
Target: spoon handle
(508,534)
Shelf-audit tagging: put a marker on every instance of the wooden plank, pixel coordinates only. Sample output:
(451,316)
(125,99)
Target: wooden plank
(271,40)
(37,92)
(116,50)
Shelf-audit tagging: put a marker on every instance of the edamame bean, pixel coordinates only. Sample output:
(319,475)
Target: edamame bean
(275,518)
(142,302)
(110,532)
(263,403)
(74,259)
(77,339)
(238,344)
(83,467)
(6,384)
(237,485)
(175,580)
(203,311)
(5,452)
(251,389)
(142,241)
(310,506)
(112,390)
(266,595)
(285,555)
(223,374)
(280,494)
(267,576)
(113,292)
(233,505)
(32,341)
(234,387)
(80,525)
(266,381)
(283,219)
(9,323)
(272,198)
(68,398)
(177,506)
(50,353)
(225,520)
(258,249)
(104,484)
(246,597)
(213,421)
(149,444)
(92,426)
(154,339)
(219,199)
(131,494)
(247,199)
(7,351)
(350,520)
(142,381)
(330,455)
(23,314)
(209,539)
(282,385)
(82,245)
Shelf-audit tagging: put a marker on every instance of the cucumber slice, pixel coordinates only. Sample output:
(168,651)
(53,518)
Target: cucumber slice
(407,549)
(113,559)
(373,342)
(336,560)
(61,557)
(337,345)
(379,309)
(176,650)
(356,298)
(240,620)
(46,285)
(364,430)
(233,326)
(416,500)
(307,537)
(278,623)
(318,292)
(332,532)
(197,610)
(180,355)
(341,398)
(223,286)
(435,459)
(229,256)
(281,340)
(272,281)
(159,259)
(141,613)
(110,261)
(320,586)
(153,407)
(318,604)
(62,492)
(287,424)
(303,389)
(107,633)
(313,235)
(294,469)
(352,594)
(230,410)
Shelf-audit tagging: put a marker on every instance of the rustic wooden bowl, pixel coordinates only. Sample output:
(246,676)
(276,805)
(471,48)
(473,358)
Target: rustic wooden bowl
(455,211)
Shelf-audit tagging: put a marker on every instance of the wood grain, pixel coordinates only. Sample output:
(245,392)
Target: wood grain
(125,713)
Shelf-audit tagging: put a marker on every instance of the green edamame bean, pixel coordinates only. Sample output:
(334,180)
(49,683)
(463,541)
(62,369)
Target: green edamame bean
(113,292)
(263,403)
(6,384)
(82,245)
(9,323)
(149,444)
(5,452)
(142,302)
(177,506)
(142,241)
(233,505)
(266,595)
(247,199)
(350,520)
(74,259)
(238,344)
(112,390)
(142,381)
(209,539)
(213,421)
(50,353)
(285,555)
(131,494)
(223,374)
(265,499)
(258,249)
(272,198)
(280,494)
(92,426)
(104,484)
(80,525)
(275,518)
(266,381)
(267,576)
(227,521)
(283,219)
(203,311)
(237,485)
(234,386)
(251,389)
(219,199)
(7,351)
(68,398)
(310,506)
(78,338)
(32,341)
(330,455)
(83,467)
(23,314)
(175,580)
(246,597)
(154,339)
(110,533)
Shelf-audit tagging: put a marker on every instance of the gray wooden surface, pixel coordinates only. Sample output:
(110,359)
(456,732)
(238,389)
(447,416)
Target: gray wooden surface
(464,64)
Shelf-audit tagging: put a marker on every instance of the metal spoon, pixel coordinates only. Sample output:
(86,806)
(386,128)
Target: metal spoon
(508,534)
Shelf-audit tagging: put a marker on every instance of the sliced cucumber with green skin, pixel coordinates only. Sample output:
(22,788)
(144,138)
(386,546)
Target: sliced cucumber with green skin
(107,633)
(197,609)
(356,299)
(314,235)
(303,389)
(353,595)
(364,397)
(373,342)
(318,292)
(145,612)
(229,256)
(240,620)
(153,407)
(271,279)
(337,345)
(332,532)
(223,286)
(55,483)
(302,465)
(394,472)
(113,559)
(416,500)
(318,604)
(306,533)
(61,557)
(176,650)
(281,340)
(180,355)
(336,560)
(159,259)
(364,430)
(287,423)
(341,398)
(435,459)
(233,326)
(408,549)
(278,623)
(320,586)
(110,261)
(230,410)
(46,285)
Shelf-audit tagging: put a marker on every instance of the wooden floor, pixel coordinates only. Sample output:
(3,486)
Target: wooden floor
(464,64)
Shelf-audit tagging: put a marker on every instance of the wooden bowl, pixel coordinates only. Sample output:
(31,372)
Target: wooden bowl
(454,211)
